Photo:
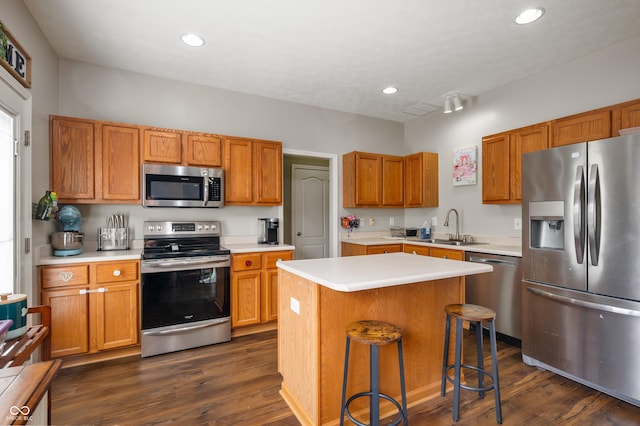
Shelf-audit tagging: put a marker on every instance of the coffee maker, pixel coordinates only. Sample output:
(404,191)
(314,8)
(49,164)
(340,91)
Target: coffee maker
(269,230)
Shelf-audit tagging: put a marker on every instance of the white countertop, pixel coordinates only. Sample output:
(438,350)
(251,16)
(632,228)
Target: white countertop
(92,256)
(252,247)
(355,273)
(490,248)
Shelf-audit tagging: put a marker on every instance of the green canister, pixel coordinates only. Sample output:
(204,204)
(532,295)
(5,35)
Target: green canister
(14,307)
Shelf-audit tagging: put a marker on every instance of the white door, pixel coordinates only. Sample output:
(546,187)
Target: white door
(15,190)
(310,204)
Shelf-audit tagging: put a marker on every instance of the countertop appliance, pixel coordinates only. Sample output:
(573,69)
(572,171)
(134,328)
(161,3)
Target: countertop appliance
(182,186)
(500,290)
(581,245)
(185,287)
(268,230)
(68,240)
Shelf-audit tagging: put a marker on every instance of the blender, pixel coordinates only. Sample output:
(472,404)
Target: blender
(68,240)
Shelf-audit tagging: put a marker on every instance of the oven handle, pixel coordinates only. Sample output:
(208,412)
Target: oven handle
(178,265)
(184,329)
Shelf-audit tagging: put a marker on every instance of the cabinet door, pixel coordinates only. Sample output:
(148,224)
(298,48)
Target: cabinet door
(72,158)
(238,167)
(114,310)
(446,253)
(204,150)
(584,127)
(269,295)
(162,146)
(629,116)
(385,248)
(69,320)
(421,180)
(267,172)
(349,249)
(368,179)
(245,298)
(392,181)
(120,163)
(525,140)
(495,168)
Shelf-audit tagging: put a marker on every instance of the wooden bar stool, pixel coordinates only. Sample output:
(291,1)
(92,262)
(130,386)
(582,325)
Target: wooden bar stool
(374,334)
(478,315)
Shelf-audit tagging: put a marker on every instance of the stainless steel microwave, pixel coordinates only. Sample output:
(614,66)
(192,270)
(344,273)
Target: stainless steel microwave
(182,186)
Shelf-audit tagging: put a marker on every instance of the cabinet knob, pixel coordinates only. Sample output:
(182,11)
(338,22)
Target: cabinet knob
(66,276)
(414,252)
(444,257)
(116,272)
(247,263)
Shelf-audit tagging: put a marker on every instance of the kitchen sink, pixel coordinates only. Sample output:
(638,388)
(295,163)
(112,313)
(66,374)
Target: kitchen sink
(452,242)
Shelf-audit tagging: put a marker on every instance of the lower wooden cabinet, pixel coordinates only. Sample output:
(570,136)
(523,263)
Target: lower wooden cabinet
(350,249)
(254,287)
(94,306)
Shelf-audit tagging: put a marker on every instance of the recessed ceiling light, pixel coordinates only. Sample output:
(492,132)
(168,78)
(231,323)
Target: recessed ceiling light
(529,15)
(192,40)
(390,90)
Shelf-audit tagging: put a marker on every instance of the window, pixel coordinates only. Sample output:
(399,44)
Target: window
(7,195)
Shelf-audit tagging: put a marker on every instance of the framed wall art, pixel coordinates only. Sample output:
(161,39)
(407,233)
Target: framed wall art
(465,166)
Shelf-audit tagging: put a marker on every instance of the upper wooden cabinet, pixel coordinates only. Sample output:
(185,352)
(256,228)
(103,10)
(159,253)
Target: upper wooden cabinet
(181,147)
(502,162)
(372,180)
(625,116)
(583,127)
(253,172)
(421,180)
(94,161)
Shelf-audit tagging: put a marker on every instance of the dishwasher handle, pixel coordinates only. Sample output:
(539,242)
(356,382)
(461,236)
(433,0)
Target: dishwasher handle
(492,261)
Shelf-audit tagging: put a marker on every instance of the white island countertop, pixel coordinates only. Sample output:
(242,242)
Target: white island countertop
(355,273)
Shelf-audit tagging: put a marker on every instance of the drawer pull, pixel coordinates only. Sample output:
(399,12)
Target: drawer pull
(66,276)
(247,263)
(116,273)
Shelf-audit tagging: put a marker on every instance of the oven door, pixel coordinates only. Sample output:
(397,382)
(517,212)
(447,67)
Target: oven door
(183,291)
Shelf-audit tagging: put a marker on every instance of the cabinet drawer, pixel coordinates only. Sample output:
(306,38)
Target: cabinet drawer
(246,262)
(116,272)
(446,253)
(270,259)
(68,275)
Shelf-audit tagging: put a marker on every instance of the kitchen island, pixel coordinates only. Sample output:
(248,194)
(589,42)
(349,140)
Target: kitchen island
(317,298)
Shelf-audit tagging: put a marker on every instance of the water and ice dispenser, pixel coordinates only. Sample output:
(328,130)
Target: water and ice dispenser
(546,221)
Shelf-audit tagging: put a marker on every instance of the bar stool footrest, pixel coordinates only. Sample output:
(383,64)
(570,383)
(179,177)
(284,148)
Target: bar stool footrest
(401,414)
(472,388)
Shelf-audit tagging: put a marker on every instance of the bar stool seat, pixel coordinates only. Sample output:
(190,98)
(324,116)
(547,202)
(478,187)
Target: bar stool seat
(478,315)
(374,334)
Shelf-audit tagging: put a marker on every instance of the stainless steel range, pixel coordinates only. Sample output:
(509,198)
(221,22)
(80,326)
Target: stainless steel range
(185,285)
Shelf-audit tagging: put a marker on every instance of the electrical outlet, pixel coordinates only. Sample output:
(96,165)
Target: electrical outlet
(295,305)
(391,221)
(517,223)
(434,221)
(372,221)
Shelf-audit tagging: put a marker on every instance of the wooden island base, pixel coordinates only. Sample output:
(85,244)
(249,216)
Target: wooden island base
(311,344)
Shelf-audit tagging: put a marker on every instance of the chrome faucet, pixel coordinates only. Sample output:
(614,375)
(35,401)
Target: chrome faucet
(446,223)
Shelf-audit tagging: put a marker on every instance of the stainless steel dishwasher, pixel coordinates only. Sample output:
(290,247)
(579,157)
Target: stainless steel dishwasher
(499,290)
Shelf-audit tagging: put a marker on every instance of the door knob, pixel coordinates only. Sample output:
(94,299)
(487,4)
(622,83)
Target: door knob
(298,233)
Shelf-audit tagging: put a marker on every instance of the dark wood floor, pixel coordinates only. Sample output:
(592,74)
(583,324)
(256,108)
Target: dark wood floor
(237,384)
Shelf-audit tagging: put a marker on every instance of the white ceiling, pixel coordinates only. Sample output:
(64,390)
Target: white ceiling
(337,54)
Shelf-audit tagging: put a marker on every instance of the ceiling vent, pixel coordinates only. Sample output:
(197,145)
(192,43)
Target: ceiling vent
(420,109)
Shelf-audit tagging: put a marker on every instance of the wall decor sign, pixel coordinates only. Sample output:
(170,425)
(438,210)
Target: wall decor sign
(14,58)
(465,165)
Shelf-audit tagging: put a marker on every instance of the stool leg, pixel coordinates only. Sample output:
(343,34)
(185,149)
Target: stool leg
(344,381)
(456,380)
(403,392)
(374,411)
(480,357)
(494,360)
(445,357)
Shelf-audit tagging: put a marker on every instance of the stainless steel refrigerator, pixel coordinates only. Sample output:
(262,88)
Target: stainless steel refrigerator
(581,263)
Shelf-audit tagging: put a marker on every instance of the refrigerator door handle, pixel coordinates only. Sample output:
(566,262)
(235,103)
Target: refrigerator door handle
(578,214)
(593,214)
(585,303)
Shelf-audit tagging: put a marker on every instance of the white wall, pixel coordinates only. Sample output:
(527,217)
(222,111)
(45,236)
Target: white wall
(95,92)
(607,77)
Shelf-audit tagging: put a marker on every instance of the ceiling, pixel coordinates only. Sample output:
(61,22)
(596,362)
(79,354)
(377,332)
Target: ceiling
(337,54)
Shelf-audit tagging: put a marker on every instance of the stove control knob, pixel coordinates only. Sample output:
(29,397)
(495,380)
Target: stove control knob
(206,227)
(199,227)
(151,228)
